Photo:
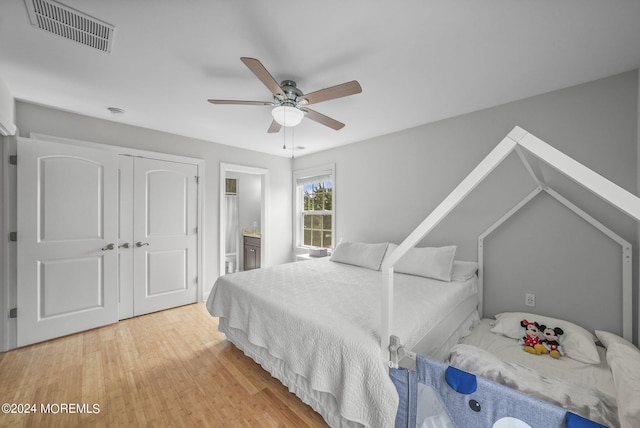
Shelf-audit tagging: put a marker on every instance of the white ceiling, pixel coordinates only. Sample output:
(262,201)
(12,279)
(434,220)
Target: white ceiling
(418,61)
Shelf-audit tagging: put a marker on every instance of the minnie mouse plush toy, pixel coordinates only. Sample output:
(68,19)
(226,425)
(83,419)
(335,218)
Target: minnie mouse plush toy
(531,340)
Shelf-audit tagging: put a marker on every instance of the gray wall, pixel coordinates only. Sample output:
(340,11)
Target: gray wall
(37,119)
(7,105)
(387,185)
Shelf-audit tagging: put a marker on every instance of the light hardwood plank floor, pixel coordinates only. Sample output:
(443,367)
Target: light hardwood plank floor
(171,368)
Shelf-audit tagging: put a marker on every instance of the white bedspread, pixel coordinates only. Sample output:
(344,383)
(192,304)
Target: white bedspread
(323,320)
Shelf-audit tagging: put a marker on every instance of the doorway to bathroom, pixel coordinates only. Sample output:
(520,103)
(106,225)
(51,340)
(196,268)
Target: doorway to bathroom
(243,218)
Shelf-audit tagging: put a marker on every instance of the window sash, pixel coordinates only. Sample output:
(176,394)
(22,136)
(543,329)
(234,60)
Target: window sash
(301,181)
(317,230)
(326,236)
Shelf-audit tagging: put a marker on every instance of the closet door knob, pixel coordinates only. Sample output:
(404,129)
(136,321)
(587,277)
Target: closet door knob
(109,247)
(141,244)
(125,245)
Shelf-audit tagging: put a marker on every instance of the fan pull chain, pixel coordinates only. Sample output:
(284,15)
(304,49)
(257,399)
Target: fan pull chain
(284,137)
(284,132)
(293,146)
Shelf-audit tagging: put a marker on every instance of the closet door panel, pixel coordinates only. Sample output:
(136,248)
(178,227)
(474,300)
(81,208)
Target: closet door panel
(166,198)
(165,230)
(167,271)
(67,217)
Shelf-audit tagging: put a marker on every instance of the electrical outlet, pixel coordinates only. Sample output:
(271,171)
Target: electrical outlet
(530,300)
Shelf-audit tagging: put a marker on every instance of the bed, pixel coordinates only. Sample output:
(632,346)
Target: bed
(315,325)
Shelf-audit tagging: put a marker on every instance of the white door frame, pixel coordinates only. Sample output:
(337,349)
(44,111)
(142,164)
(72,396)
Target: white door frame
(264,212)
(8,275)
(7,224)
(8,327)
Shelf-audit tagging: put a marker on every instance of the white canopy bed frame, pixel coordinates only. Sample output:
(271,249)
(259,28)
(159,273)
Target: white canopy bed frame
(531,150)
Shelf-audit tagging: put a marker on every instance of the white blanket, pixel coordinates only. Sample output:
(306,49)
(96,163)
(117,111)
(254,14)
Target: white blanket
(323,320)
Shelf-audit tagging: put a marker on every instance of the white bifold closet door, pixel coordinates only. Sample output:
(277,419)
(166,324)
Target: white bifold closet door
(158,235)
(101,237)
(67,234)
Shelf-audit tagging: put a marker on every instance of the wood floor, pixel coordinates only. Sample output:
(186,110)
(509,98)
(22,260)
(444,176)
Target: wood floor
(170,368)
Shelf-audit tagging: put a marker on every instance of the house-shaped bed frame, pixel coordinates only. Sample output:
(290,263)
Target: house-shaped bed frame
(531,150)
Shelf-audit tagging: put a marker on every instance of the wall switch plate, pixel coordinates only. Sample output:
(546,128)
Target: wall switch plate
(530,300)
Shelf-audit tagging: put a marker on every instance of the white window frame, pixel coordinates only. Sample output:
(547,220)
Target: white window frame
(305,175)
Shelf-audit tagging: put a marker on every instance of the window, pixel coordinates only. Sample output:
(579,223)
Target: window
(315,196)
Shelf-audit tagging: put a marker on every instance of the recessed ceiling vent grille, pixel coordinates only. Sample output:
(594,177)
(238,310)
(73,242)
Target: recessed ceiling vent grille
(69,23)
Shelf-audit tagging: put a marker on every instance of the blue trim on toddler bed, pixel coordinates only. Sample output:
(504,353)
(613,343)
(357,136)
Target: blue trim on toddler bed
(440,395)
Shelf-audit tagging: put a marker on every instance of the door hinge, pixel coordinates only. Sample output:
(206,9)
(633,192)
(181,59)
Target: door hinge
(13,313)
(197,179)
(13,236)
(13,159)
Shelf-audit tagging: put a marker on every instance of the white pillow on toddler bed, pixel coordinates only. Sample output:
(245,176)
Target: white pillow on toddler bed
(360,254)
(624,359)
(577,343)
(463,271)
(607,339)
(430,262)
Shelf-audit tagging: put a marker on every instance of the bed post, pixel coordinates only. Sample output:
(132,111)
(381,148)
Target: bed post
(387,314)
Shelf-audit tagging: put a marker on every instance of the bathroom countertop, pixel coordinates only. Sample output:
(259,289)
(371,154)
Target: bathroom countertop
(252,233)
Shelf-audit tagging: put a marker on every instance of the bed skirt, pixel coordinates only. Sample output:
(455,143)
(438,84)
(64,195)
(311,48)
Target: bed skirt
(323,403)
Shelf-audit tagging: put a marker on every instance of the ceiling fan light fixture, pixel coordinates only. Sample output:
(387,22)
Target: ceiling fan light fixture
(287,115)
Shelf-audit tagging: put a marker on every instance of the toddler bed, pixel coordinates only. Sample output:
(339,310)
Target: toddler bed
(315,325)
(595,382)
(610,390)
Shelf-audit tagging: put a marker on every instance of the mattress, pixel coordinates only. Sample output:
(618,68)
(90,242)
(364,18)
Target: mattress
(320,320)
(585,389)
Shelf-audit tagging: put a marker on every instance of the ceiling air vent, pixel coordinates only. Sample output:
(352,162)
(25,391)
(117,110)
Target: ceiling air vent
(69,23)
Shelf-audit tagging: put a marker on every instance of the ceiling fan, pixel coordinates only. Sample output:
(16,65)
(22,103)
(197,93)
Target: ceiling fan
(290,103)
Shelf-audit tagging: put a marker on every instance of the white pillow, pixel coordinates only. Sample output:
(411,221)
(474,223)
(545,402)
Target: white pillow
(607,339)
(624,360)
(577,343)
(430,262)
(463,271)
(360,254)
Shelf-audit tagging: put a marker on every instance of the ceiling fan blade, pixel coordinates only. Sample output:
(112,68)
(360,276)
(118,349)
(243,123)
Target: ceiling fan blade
(338,91)
(261,73)
(274,128)
(248,103)
(321,118)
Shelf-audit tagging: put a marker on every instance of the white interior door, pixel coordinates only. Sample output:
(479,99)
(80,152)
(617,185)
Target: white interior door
(165,222)
(67,217)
